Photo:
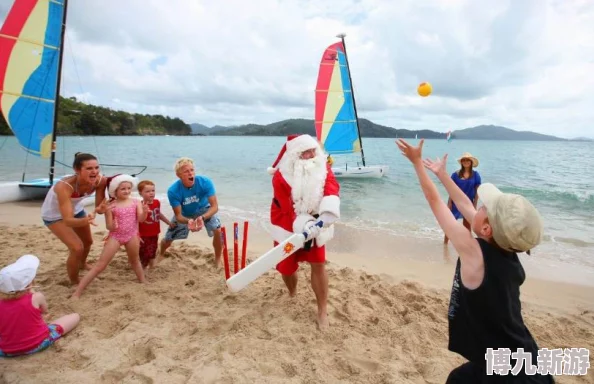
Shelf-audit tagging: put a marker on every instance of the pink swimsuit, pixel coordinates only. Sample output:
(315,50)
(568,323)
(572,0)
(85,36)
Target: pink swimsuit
(127,223)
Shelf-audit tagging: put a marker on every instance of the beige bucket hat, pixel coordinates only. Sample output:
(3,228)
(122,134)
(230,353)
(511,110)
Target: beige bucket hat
(468,155)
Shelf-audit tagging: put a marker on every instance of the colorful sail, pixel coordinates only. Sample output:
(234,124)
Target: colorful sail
(30,42)
(335,121)
(449,136)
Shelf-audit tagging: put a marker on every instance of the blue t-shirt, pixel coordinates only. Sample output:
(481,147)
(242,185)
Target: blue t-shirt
(192,199)
(468,186)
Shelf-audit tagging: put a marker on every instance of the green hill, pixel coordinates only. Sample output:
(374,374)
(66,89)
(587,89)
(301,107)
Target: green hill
(76,118)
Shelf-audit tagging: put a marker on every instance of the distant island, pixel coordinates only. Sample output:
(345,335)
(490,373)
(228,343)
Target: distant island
(370,129)
(79,119)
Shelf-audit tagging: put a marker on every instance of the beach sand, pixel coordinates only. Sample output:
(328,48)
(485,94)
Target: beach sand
(388,317)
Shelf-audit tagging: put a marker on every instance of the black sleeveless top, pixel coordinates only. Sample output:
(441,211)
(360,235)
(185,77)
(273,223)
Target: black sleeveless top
(490,316)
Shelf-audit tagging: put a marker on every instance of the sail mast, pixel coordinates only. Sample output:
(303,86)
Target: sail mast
(57,102)
(341,36)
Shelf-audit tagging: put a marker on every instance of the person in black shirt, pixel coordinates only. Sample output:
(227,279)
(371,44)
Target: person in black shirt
(485,309)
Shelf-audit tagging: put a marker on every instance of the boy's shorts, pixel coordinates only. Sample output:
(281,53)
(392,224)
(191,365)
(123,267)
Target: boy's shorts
(181,231)
(55,332)
(148,249)
(289,265)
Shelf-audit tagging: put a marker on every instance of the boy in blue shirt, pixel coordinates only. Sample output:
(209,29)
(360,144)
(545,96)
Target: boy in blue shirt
(195,206)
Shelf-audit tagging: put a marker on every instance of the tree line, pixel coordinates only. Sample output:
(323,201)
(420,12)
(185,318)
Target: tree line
(76,118)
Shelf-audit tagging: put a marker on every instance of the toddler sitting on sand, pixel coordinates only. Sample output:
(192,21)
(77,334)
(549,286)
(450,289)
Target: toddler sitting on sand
(22,328)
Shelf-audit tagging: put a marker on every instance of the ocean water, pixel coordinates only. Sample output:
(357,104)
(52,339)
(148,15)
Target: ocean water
(558,177)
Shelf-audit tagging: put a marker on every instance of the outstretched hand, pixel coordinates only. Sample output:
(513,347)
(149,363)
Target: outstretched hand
(413,154)
(438,166)
(105,206)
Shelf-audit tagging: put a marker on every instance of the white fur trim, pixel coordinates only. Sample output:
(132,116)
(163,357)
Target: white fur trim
(326,234)
(271,171)
(279,234)
(331,204)
(116,181)
(300,221)
(301,143)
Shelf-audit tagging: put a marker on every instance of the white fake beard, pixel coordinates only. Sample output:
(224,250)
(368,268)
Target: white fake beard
(307,190)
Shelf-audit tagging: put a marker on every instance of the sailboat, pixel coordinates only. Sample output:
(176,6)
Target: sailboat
(31,52)
(336,120)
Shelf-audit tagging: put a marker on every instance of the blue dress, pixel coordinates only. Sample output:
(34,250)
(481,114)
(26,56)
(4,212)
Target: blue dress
(468,186)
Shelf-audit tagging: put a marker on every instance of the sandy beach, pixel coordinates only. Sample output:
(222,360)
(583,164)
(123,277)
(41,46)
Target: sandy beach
(388,317)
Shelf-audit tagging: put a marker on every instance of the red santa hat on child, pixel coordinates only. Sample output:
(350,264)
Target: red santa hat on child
(114,182)
(294,145)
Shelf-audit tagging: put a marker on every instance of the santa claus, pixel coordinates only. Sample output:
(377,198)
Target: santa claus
(305,193)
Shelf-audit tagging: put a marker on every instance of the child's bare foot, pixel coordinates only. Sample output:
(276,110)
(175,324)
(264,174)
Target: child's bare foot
(156,261)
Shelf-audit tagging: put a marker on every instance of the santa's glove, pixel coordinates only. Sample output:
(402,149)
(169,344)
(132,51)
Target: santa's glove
(311,229)
(327,219)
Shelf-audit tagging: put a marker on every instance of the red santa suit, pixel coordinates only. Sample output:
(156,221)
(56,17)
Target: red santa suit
(303,190)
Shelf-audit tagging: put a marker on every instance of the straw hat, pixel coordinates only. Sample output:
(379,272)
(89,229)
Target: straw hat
(468,155)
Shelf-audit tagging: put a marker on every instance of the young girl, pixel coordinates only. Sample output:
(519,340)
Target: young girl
(22,329)
(150,228)
(485,310)
(468,180)
(122,220)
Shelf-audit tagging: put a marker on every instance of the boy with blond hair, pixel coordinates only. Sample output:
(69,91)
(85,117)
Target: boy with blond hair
(195,206)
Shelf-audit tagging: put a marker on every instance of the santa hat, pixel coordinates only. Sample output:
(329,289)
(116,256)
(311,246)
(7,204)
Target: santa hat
(295,144)
(114,182)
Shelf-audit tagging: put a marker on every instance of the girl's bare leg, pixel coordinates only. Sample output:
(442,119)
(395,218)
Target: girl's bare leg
(132,248)
(68,322)
(109,250)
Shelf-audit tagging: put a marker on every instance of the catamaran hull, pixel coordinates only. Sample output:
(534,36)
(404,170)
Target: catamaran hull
(12,191)
(368,172)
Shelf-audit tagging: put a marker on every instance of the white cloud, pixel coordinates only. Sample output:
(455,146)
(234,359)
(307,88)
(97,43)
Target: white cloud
(524,64)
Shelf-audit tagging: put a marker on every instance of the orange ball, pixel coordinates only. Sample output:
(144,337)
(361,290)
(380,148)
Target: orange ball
(424,89)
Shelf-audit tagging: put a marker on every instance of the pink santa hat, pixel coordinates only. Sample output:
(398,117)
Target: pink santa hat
(294,145)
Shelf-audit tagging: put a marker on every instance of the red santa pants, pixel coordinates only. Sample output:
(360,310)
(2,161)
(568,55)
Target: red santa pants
(291,264)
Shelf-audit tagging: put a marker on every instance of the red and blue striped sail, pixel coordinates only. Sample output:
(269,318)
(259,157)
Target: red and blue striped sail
(335,121)
(30,41)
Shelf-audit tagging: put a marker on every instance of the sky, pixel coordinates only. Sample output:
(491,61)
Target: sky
(525,65)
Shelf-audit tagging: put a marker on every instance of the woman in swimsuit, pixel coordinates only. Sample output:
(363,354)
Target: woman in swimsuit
(63,210)
(122,222)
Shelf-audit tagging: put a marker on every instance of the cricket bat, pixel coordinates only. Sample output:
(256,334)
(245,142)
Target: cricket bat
(267,261)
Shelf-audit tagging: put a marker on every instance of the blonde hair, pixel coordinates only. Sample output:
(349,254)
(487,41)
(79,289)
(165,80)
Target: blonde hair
(17,294)
(181,162)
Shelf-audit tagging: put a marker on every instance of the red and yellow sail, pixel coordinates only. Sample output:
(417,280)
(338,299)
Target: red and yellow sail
(30,43)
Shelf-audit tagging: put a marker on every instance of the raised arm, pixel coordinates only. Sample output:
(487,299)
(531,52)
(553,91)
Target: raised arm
(469,249)
(141,211)
(101,203)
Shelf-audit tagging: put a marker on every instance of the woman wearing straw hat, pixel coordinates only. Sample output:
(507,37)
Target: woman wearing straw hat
(468,180)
